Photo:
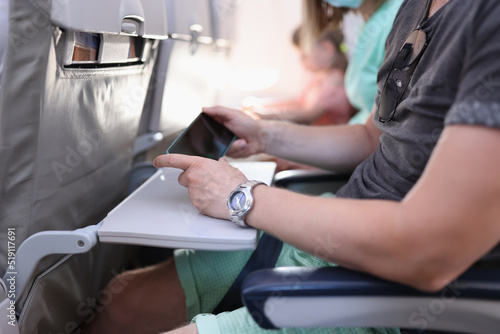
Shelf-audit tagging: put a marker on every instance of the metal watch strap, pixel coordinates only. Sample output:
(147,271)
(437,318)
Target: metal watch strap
(247,187)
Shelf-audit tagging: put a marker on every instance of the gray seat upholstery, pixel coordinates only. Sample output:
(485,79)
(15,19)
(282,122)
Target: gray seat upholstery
(69,133)
(66,143)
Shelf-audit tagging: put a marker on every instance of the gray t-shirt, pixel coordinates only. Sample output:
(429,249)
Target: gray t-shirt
(456,81)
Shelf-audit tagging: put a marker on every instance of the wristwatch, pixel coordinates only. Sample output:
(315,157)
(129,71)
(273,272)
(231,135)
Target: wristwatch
(240,201)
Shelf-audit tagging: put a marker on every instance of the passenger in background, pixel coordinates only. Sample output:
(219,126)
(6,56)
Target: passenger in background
(322,18)
(369,50)
(360,82)
(323,100)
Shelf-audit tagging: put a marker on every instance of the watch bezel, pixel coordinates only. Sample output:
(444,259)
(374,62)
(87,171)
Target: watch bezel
(237,216)
(248,201)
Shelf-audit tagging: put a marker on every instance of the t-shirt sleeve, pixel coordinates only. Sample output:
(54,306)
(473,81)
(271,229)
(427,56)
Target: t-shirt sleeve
(478,98)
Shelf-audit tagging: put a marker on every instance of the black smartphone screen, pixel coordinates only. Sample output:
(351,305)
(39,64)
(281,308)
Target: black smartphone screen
(205,137)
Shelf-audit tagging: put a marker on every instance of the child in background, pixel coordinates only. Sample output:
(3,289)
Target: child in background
(323,100)
(368,50)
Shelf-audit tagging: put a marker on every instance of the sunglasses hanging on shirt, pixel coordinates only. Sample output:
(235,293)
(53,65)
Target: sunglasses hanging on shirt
(401,73)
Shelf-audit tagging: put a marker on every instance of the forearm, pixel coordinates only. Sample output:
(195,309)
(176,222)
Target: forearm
(339,148)
(445,224)
(357,234)
(372,236)
(293,113)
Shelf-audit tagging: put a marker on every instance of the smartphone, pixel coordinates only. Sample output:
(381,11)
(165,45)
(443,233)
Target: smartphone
(205,137)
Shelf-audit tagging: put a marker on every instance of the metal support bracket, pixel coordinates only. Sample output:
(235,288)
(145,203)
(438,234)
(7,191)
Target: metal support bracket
(42,244)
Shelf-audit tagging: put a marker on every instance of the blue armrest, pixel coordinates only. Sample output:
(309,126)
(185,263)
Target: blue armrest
(336,297)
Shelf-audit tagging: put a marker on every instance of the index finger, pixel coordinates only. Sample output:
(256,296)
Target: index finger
(180,161)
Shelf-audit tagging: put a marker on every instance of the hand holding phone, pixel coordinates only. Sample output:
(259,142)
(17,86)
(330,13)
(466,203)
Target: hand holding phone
(204,137)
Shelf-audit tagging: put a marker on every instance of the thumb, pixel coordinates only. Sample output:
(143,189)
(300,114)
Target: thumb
(238,144)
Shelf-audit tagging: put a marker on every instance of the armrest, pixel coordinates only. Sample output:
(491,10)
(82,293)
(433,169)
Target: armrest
(336,297)
(313,182)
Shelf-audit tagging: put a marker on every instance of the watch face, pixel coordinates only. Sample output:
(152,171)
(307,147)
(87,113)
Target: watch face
(238,201)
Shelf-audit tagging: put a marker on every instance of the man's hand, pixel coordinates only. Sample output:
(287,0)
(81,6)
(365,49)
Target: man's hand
(246,127)
(209,182)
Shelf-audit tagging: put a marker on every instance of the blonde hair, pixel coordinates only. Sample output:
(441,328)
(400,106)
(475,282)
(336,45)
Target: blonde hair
(319,16)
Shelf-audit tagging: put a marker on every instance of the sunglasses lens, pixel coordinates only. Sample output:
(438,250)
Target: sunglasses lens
(388,100)
(416,41)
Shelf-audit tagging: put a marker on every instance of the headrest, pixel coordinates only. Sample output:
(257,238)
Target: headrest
(145,18)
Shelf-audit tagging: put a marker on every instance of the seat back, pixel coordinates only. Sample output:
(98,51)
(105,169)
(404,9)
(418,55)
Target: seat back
(73,89)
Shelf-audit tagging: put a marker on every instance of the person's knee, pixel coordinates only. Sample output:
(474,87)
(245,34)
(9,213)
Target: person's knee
(124,290)
(120,282)
(153,294)
(128,290)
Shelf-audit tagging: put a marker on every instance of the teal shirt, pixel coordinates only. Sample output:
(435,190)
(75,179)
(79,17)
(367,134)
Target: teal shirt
(361,74)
